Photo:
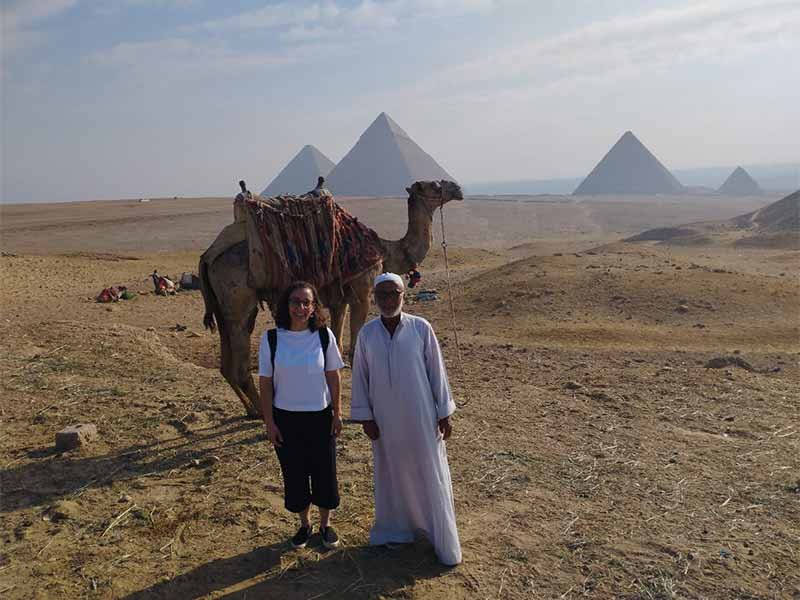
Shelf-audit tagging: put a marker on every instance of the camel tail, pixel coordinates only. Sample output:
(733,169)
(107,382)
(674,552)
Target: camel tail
(209,298)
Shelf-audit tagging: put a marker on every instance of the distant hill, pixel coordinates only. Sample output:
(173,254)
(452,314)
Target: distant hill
(629,168)
(777,225)
(780,216)
(300,174)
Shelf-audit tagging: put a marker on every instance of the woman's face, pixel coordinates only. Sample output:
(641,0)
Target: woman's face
(301,307)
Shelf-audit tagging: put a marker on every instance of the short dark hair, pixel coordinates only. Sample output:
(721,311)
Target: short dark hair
(282,317)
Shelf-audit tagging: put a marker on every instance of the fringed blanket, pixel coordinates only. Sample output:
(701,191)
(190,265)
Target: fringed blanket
(308,238)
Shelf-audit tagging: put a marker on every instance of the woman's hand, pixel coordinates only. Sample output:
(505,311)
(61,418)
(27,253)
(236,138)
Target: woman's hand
(371,429)
(336,425)
(273,433)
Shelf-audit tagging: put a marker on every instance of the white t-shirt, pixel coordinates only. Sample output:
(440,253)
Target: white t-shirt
(299,379)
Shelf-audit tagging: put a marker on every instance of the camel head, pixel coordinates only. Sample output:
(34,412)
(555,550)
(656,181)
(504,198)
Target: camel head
(432,194)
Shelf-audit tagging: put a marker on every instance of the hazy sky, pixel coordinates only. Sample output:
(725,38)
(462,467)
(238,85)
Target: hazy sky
(131,98)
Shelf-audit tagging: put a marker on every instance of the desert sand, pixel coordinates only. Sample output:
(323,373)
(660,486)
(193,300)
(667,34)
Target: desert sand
(594,453)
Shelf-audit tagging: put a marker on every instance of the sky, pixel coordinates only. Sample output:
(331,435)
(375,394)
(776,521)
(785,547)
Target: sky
(149,98)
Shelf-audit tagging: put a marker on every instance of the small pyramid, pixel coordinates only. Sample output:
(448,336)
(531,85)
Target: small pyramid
(739,183)
(629,168)
(300,175)
(383,162)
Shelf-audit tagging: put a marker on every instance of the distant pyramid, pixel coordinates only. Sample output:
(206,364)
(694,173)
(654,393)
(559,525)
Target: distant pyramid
(384,161)
(739,183)
(629,168)
(300,175)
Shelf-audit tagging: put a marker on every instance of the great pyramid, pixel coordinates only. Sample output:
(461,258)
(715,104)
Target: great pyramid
(384,161)
(739,183)
(300,175)
(629,168)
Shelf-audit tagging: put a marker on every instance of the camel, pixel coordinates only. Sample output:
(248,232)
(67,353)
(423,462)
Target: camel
(233,305)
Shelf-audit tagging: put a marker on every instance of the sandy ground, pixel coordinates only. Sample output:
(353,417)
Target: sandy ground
(594,454)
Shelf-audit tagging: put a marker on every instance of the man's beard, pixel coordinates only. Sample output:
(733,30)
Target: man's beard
(393,313)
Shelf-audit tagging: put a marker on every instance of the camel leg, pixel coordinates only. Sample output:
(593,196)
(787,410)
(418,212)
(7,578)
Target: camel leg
(239,376)
(338,312)
(359,299)
(236,311)
(358,314)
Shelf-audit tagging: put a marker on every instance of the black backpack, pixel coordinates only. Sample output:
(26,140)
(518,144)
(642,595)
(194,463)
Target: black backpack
(272,339)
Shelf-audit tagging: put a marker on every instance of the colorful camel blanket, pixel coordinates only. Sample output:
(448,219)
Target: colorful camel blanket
(308,238)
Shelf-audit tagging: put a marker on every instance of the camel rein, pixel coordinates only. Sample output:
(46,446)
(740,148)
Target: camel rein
(464,385)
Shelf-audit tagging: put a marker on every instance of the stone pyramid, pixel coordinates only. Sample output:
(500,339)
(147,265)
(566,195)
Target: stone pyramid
(739,183)
(300,175)
(629,168)
(384,161)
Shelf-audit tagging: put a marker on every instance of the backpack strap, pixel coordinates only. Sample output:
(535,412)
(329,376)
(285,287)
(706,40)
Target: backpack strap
(324,341)
(272,339)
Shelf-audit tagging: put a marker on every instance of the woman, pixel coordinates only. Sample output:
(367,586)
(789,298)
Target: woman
(300,399)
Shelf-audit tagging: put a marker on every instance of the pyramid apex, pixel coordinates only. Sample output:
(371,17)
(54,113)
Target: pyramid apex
(384,118)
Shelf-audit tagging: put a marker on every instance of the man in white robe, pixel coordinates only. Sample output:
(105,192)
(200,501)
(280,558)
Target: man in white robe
(401,396)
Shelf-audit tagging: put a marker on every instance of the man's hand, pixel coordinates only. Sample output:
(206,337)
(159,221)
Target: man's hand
(336,425)
(445,428)
(273,433)
(371,429)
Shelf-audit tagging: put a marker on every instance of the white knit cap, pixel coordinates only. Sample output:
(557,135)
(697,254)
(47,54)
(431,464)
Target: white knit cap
(389,277)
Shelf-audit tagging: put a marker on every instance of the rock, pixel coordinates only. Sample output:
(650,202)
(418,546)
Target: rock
(193,334)
(572,385)
(720,362)
(63,510)
(75,436)
(682,308)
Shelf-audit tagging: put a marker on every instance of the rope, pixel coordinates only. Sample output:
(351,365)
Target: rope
(453,308)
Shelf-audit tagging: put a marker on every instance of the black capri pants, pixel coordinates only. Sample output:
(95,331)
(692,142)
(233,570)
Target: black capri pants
(308,458)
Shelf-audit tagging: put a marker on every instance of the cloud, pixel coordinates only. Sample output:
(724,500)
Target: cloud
(711,30)
(180,59)
(367,16)
(606,52)
(18,19)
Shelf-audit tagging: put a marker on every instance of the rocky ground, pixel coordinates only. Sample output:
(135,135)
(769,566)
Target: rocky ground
(596,451)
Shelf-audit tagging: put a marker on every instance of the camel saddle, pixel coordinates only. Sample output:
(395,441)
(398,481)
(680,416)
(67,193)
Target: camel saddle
(291,238)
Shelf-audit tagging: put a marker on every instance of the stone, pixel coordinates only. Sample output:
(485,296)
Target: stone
(75,436)
(63,510)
